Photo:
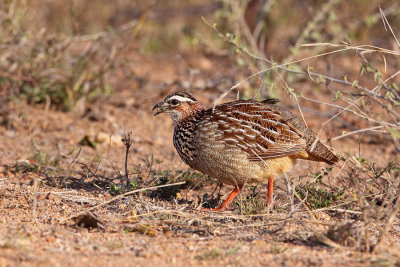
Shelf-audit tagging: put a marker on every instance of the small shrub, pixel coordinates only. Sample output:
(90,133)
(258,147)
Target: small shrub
(116,189)
(252,203)
(167,192)
(44,67)
(319,197)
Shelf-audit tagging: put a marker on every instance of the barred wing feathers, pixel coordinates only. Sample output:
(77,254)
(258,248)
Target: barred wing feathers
(258,129)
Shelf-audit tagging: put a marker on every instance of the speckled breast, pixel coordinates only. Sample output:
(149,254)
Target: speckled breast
(227,163)
(203,146)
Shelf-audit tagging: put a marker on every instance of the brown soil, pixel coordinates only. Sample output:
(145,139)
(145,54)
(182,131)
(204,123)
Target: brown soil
(36,217)
(54,192)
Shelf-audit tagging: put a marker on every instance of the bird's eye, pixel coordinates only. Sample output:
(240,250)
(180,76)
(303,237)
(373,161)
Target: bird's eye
(174,102)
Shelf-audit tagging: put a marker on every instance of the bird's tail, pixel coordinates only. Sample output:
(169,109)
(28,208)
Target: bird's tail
(319,152)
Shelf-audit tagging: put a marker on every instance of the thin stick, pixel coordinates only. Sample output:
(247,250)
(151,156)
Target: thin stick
(121,196)
(358,131)
(289,188)
(342,48)
(386,22)
(389,223)
(127,140)
(307,208)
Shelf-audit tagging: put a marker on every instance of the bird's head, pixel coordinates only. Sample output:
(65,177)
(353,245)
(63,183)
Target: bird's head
(179,105)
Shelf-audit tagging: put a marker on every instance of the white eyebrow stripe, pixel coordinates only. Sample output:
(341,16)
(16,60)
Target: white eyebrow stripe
(181,98)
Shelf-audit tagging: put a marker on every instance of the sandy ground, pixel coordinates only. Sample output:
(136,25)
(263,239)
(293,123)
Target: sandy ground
(47,179)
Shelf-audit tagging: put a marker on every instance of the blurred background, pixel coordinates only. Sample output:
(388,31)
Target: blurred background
(79,76)
(84,73)
(65,53)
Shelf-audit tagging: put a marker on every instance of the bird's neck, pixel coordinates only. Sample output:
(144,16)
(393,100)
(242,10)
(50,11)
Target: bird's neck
(184,134)
(188,114)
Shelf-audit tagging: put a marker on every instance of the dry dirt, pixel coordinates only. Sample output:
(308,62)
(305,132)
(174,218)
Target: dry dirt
(37,207)
(60,204)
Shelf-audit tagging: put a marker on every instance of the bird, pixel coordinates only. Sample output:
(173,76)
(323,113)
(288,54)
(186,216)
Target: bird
(240,142)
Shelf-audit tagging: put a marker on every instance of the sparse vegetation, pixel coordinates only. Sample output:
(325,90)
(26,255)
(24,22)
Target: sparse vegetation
(167,192)
(317,197)
(77,83)
(254,202)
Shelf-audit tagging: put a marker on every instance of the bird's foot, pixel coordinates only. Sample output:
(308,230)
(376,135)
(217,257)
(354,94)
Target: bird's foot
(214,209)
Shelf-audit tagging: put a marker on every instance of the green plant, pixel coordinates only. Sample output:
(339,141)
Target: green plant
(319,197)
(212,254)
(134,185)
(276,249)
(167,192)
(210,201)
(252,203)
(43,162)
(216,253)
(116,189)
(46,67)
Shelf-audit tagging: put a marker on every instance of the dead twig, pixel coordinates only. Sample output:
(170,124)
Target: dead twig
(389,222)
(122,196)
(127,141)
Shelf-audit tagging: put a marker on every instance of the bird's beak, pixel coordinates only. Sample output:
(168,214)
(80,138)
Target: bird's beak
(160,108)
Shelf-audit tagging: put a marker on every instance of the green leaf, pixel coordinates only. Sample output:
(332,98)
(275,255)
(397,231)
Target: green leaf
(394,133)
(378,77)
(371,20)
(338,95)
(395,86)
(362,104)
(321,79)
(85,141)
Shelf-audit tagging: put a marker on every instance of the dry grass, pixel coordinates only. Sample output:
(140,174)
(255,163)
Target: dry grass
(132,200)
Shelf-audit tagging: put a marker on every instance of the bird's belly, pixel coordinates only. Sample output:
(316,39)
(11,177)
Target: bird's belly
(231,166)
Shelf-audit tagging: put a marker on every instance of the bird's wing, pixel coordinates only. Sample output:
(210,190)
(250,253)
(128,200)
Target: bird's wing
(257,129)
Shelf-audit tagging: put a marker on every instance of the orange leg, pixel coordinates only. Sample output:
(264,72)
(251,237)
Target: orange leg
(231,196)
(270,191)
